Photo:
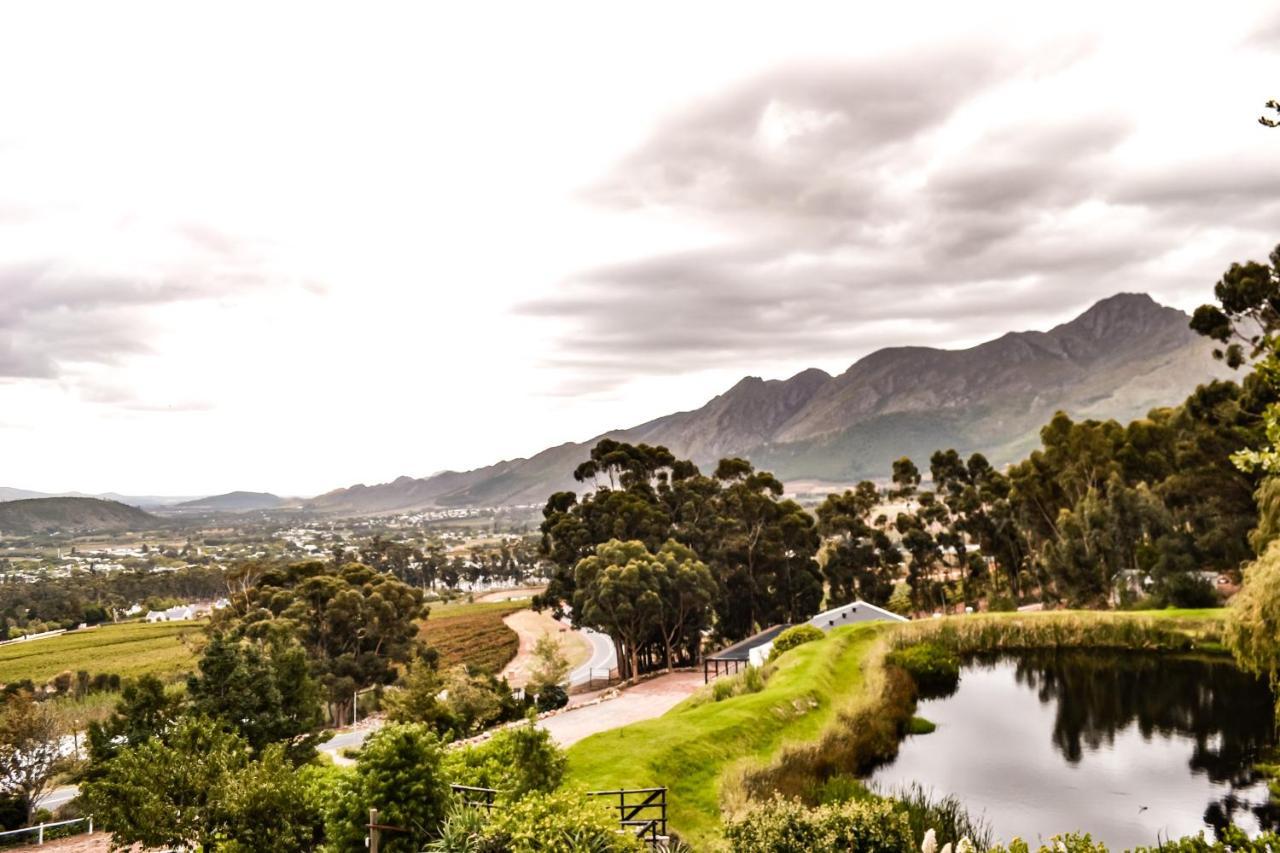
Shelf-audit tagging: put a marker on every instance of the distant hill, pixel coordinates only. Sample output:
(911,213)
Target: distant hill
(1119,359)
(72,515)
(232,502)
(10,494)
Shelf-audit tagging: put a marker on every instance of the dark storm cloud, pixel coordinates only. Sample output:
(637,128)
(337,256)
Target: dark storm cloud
(857,223)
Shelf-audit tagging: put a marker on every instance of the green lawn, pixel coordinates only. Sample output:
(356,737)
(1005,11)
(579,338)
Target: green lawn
(690,748)
(130,649)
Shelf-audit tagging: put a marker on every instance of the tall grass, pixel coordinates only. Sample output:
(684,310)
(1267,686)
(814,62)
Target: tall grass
(1000,632)
(946,816)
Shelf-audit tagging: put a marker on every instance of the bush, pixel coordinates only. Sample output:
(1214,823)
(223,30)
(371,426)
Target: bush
(786,826)
(400,773)
(563,822)
(795,636)
(935,669)
(515,761)
(1184,589)
(750,680)
(552,698)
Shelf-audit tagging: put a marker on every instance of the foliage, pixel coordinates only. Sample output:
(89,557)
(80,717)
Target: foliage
(750,680)
(946,817)
(861,560)
(145,710)
(786,826)
(796,635)
(197,785)
(400,773)
(354,624)
(637,596)
(1003,632)
(758,547)
(552,698)
(1253,620)
(934,668)
(264,692)
(1232,840)
(418,700)
(515,761)
(30,749)
(560,822)
(551,667)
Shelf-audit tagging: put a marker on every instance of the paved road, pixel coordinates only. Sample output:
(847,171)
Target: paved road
(603,657)
(646,700)
(59,797)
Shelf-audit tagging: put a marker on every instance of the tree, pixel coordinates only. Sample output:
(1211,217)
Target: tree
(516,761)
(264,692)
(617,593)
(198,786)
(353,623)
(551,667)
(399,772)
(30,749)
(686,590)
(1253,620)
(861,560)
(145,710)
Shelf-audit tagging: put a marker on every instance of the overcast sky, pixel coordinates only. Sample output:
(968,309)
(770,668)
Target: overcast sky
(294,248)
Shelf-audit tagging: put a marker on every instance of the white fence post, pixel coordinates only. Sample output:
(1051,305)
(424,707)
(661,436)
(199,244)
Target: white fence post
(40,840)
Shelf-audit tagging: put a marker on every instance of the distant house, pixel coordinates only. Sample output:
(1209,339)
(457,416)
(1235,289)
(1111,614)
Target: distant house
(754,651)
(852,614)
(180,613)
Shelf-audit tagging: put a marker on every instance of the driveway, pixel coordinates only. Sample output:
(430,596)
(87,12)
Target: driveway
(646,700)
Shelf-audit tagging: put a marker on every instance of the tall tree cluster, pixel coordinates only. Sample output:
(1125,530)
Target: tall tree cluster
(724,552)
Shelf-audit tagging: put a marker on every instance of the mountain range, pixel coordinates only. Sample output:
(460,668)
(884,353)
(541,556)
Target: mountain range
(1122,357)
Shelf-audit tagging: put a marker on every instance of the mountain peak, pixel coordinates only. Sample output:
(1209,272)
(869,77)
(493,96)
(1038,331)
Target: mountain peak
(1124,313)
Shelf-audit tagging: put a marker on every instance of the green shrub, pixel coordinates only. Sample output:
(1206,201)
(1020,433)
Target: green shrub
(947,817)
(921,726)
(552,698)
(515,761)
(795,636)
(562,822)
(934,668)
(750,680)
(786,826)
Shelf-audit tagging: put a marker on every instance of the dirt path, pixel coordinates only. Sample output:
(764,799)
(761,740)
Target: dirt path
(646,700)
(529,625)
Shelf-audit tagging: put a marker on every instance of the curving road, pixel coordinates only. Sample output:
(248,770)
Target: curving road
(603,657)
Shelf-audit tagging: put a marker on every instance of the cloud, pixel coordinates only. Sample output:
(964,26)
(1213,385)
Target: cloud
(95,303)
(867,199)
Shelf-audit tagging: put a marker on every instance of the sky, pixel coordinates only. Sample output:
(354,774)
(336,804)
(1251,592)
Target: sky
(295,247)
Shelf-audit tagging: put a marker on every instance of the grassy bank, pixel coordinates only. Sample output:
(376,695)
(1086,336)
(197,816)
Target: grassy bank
(130,649)
(473,634)
(691,748)
(830,706)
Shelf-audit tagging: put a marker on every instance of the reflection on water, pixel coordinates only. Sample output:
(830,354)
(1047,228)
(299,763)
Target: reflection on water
(1131,748)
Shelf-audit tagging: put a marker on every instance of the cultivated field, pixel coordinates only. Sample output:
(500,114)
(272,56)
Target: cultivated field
(473,634)
(135,648)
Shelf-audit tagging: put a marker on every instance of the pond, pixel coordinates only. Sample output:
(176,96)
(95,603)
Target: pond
(1132,748)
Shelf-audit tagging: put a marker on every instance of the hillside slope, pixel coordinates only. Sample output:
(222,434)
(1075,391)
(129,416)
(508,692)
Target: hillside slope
(72,515)
(1119,359)
(232,502)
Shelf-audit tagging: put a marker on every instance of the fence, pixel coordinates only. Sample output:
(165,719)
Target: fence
(12,835)
(595,680)
(642,811)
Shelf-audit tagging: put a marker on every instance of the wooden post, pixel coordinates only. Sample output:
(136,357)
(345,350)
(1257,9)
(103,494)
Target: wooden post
(373,831)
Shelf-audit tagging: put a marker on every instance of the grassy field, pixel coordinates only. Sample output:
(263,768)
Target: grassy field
(131,649)
(701,749)
(473,634)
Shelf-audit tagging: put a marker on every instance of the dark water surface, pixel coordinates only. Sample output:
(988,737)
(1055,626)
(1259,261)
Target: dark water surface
(1131,748)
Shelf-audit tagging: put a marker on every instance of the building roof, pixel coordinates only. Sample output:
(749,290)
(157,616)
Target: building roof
(741,650)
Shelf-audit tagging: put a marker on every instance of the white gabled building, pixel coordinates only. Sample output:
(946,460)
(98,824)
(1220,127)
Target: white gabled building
(852,614)
(173,614)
